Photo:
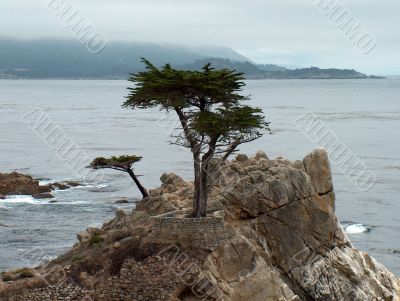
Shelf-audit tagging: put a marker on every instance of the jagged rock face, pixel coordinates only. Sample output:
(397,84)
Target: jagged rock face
(18,184)
(271,234)
(291,208)
(317,166)
(241,273)
(15,183)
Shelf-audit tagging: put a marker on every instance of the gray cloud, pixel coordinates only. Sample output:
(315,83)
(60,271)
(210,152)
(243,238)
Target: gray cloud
(290,32)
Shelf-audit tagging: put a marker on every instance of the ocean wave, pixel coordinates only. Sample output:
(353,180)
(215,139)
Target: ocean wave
(367,115)
(355,228)
(46,182)
(26,199)
(91,185)
(73,203)
(100,188)
(81,186)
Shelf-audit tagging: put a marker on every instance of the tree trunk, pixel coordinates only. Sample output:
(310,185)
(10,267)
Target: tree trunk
(197,186)
(204,181)
(143,190)
(203,190)
(195,148)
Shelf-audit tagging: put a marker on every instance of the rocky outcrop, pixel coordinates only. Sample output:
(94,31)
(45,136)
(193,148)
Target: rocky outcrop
(271,234)
(18,184)
(15,183)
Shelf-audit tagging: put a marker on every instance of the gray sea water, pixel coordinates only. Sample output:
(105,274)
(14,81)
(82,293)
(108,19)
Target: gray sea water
(364,114)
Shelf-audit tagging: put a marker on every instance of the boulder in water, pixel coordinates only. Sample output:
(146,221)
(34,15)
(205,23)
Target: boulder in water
(15,183)
(43,196)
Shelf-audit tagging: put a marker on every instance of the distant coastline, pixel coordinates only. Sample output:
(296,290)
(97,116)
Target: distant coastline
(258,71)
(297,74)
(250,70)
(57,59)
(247,78)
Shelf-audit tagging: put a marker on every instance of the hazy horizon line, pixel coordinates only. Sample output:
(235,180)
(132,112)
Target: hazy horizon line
(189,47)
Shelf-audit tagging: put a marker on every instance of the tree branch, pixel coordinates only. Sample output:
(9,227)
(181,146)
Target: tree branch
(186,129)
(231,149)
(112,167)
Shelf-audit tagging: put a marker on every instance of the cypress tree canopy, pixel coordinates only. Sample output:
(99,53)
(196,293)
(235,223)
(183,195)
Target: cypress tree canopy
(212,119)
(208,101)
(120,162)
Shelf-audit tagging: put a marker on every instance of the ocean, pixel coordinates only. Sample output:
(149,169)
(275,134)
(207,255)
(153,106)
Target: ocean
(364,115)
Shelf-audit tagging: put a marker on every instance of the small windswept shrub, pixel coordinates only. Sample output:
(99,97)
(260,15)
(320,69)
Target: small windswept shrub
(95,240)
(26,273)
(77,258)
(6,278)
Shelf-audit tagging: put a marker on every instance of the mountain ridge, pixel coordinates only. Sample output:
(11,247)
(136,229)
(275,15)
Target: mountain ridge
(67,59)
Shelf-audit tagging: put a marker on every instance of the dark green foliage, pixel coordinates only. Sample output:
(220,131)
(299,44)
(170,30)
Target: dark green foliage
(209,100)
(77,258)
(227,123)
(121,161)
(6,278)
(169,88)
(26,273)
(95,239)
(208,104)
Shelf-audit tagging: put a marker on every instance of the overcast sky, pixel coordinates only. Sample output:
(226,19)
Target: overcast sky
(290,32)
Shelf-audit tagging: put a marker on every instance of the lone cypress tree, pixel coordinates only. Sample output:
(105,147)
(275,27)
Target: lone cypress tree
(208,106)
(121,163)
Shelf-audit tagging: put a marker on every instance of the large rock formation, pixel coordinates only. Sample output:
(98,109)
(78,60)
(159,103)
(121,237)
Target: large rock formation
(271,234)
(15,183)
(18,184)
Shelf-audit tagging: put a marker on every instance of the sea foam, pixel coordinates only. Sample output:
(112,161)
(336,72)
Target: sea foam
(356,229)
(25,199)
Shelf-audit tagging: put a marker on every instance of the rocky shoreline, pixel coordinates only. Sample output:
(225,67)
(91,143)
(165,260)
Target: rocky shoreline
(271,234)
(19,184)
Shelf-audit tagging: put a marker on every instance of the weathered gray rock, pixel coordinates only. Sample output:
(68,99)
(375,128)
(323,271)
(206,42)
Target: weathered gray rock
(43,196)
(242,158)
(265,189)
(156,205)
(292,210)
(261,155)
(15,183)
(122,201)
(271,234)
(172,179)
(86,235)
(119,213)
(317,166)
